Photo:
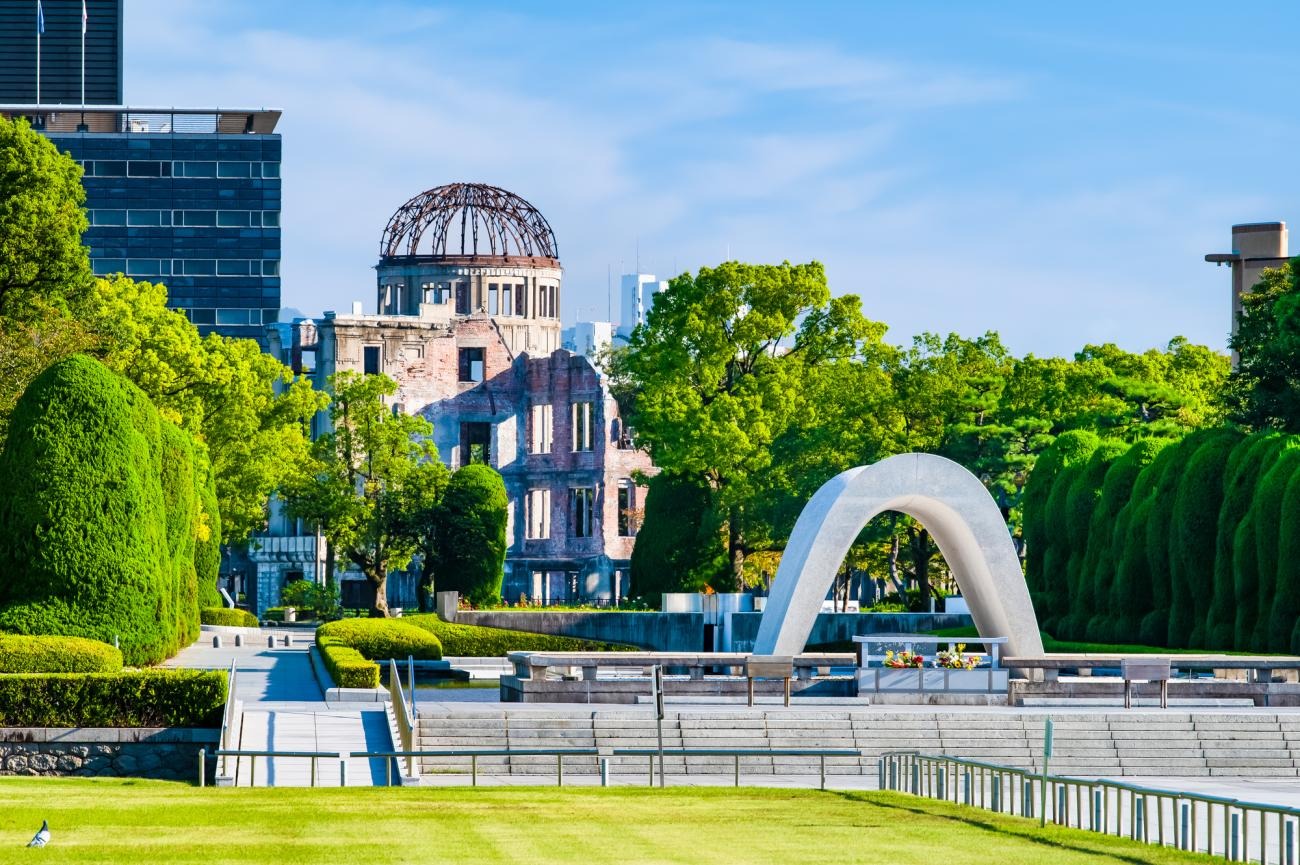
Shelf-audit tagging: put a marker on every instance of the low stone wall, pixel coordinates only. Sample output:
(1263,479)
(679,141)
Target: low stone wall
(657,632)
(147,752)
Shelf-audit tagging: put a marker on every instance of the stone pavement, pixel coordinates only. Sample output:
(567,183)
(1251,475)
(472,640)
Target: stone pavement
(285,710)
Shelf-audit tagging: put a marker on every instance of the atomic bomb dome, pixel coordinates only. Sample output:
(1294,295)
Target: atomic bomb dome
(469,248)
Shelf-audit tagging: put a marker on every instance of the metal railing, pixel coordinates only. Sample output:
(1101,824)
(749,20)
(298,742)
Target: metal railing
(604,754)
(229,717)
(1238,830)
(402,712)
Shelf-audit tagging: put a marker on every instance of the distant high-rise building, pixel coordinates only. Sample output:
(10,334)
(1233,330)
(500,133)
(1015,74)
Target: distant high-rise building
(60,52)
(637,293)
(588,338)
(186,197)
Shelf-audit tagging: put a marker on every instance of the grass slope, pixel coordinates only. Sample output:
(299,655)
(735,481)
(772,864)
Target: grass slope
(112,821)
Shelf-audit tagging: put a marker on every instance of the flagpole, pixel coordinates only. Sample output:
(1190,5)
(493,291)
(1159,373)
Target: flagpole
(39,15)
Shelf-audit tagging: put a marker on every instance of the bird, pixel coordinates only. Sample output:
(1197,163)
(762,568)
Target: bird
(42,837)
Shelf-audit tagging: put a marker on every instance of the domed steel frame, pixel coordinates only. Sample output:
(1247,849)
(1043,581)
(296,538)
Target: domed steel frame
(491,222)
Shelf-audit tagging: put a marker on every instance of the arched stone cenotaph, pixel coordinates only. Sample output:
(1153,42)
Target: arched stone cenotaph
(948,500)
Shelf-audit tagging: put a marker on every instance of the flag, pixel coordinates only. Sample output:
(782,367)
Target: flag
(85,17)
(40,18)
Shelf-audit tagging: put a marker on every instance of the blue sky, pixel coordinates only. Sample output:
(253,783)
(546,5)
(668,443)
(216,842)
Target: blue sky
(1053,172)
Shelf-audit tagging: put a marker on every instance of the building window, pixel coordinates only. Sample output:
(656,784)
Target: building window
(538,507)
(232,218)
(462,298)
(543,428)
(492,299)
(270,219)
(232,169)
(582,502)
(370,360)
(475,443)
(521,300)
(626,508)
(582,428)
(506,308)
(471,364)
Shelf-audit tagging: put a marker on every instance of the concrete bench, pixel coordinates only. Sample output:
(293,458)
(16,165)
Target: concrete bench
(769,667)
(1145,670)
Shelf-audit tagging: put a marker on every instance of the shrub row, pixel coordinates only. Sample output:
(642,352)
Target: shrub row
(22,654)
(1191,544)
(380,639)
(131,698)
(475,641)
(234,618)
(346,666)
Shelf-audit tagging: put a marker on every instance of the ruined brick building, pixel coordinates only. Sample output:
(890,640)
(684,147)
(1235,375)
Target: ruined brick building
(468,325)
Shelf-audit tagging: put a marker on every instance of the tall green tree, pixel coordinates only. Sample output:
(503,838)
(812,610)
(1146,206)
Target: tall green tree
(471,532)
(1263,391)
(363,479)
(43,263)
(679,546)
(717,374)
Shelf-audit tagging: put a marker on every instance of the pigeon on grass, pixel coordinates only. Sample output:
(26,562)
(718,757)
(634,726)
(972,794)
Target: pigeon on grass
(42,837)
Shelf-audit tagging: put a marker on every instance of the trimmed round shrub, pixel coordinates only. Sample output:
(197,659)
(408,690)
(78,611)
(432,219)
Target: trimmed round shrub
(381,639)
(1158,516)
(83,542)
(471,535)
(679,547)
(1081,505)
(1267,512)
(1076,448)
(476,641)
(1036,527)
(26,654)
(1108,537)
(229,617)
(1245,465)
(1193,537)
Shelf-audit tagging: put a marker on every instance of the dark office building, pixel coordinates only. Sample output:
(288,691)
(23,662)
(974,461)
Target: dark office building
(61,52)
(189,198)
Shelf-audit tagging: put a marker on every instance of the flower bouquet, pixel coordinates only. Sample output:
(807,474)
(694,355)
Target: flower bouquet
(955,659)
(904,660)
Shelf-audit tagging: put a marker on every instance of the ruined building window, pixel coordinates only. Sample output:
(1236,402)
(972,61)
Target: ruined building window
(462,298)
(506,308)
(582,426)
(582,502)
(475,443)
(493,309)
(626,508)
(471,364)
(521,300)
(543,428)
(538,507)
(370,360)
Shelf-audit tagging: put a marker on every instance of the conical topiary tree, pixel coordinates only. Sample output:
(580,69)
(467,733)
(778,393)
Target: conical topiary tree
(83,541)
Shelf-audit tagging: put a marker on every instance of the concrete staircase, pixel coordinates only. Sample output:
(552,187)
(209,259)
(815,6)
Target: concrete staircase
(1137,743)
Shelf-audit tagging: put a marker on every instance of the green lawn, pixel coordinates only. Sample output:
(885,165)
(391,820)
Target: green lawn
(141,822)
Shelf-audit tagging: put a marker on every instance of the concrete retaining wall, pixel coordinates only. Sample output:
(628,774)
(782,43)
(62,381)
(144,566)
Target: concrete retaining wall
(658,632)
(147,752)
(842,627)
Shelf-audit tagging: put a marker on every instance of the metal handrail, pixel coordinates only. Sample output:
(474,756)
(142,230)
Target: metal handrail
(559,753)
(405,724)
(997,787)
(227,717)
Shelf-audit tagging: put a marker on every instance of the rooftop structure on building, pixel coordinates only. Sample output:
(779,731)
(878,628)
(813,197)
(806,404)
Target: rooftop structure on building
(468,327)
(188,197)
(1255,246)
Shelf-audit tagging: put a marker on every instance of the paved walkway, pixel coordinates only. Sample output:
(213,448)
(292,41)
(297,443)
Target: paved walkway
(285,710)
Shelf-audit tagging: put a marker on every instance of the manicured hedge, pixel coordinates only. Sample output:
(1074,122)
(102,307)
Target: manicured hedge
(83,536)
(471,531)
(475,641)
(381,639)
(132,698)
(1191,544)
(346,665)
(232,618)
(207,547)
(1069,447)
(25,654)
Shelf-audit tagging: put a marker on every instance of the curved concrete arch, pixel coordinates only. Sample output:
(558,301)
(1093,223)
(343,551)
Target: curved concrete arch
(943,496)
